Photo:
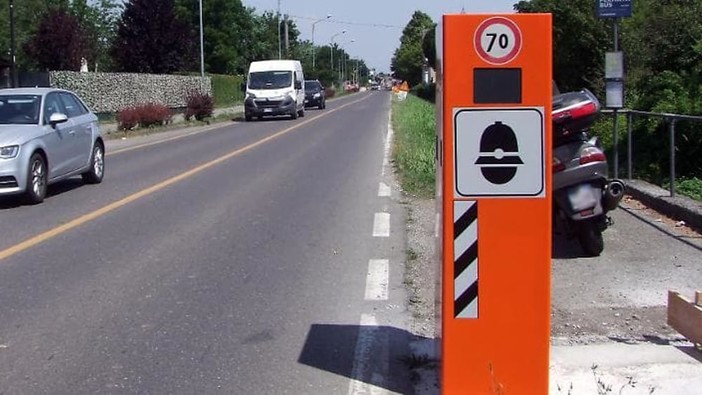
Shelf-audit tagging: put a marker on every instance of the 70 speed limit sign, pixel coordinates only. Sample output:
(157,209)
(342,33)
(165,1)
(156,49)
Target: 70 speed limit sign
(498,40)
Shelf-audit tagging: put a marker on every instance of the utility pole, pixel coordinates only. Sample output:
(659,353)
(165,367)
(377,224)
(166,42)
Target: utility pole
(287,43)
(278,24)
(13,59)
(202,48)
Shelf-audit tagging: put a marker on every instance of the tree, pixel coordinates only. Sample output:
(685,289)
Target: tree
(28,15)
(227,28)
(58,43)
(98,21)
(580,41)
(408,60)
(152,39)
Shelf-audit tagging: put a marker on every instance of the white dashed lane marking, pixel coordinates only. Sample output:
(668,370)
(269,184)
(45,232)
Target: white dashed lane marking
(384,190)
(381,225)
(377,279)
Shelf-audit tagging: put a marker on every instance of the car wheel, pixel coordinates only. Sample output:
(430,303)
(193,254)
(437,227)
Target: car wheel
(247,117)
(97,166)
(322,105)
(302,113)
(37,178)
(293,115)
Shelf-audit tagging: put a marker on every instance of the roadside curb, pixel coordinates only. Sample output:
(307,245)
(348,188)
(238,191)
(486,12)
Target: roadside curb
(681,208)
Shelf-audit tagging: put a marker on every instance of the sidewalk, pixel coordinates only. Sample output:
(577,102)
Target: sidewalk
(628,369)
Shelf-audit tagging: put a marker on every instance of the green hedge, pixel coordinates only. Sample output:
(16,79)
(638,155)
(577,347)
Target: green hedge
(226,89)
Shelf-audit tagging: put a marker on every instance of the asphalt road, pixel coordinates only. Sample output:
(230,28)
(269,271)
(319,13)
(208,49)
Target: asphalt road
(248,258)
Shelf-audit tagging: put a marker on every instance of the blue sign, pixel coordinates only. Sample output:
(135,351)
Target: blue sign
(613,8)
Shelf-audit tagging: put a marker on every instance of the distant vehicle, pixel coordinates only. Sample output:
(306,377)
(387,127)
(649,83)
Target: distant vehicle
(274,87)
(46,135)
(375,86)
(315,94)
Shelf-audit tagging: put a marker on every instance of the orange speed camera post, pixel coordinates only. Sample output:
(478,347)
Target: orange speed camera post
(494,186)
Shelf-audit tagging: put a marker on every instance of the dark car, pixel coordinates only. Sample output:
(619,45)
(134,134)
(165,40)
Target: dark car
(314,94)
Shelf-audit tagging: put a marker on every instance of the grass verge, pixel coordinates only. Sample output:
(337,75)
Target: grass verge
(414,123)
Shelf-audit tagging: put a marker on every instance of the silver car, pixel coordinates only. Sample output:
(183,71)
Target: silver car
(46,135)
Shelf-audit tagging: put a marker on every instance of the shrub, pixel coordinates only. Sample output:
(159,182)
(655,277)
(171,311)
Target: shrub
(151,114)
(145,115)
(425,91)
(329,92)
(200,106)
(226,89)
(127,118)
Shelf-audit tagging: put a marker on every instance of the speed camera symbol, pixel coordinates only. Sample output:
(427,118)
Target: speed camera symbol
(499,154)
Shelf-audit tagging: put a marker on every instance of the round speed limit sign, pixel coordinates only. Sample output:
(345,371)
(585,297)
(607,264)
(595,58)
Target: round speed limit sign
(498,40)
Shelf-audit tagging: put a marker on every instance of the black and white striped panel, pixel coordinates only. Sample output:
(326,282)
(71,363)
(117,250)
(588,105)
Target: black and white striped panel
(465,258)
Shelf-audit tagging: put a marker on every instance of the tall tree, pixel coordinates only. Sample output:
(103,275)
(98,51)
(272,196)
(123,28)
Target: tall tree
(234,35)
(580,41)
(28,15)
(59,43)
(152,39)
(408,60)
(98,19)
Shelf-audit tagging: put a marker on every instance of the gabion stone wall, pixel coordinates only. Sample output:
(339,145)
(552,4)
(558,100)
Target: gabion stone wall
(111,92)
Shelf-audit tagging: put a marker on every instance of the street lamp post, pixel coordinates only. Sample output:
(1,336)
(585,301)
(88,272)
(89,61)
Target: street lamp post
(331,48)
(313,49)
(13,60)
(342,62)
(202,49)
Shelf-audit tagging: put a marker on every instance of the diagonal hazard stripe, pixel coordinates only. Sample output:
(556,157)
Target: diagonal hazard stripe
(465,255)
(466,298)
(465,260)
(465,220)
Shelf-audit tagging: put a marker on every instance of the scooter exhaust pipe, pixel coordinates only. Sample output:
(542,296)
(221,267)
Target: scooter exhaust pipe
(613,194)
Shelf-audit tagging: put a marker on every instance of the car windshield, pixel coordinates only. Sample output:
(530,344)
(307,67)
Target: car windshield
(270,79)
(19,109)
(312,86)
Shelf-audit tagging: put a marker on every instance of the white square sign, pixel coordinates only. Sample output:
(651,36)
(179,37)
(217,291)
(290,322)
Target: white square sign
(499,152)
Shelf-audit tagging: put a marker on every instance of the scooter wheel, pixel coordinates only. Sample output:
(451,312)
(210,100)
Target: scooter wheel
(590,237)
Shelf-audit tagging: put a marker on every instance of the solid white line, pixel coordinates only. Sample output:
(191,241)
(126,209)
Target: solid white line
(381,225)
(377,279)
(384,190)
(365,380)
(388,145)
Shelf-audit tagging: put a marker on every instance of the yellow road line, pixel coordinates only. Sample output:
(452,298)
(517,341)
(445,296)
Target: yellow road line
(42,237)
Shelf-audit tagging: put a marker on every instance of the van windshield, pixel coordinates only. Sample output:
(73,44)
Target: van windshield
(270,79)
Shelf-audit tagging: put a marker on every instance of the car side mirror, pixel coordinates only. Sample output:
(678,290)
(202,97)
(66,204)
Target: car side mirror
(298,84)
(57,118)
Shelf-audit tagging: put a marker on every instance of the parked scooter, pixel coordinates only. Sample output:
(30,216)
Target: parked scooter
(582,192)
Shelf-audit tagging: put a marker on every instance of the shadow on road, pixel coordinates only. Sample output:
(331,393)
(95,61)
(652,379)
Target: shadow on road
(692,243)
(373,356)
(59,188)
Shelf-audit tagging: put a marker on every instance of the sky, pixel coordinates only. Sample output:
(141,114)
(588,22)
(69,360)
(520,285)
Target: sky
(375,25)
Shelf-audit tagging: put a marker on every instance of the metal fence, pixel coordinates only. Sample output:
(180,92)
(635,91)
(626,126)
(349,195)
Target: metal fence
(671,120)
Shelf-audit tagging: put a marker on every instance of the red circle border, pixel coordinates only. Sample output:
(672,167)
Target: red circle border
(491,59)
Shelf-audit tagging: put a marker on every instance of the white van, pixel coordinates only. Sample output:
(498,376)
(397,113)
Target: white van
(275,87)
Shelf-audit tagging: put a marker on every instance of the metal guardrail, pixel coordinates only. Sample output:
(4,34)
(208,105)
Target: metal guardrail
(670,118)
